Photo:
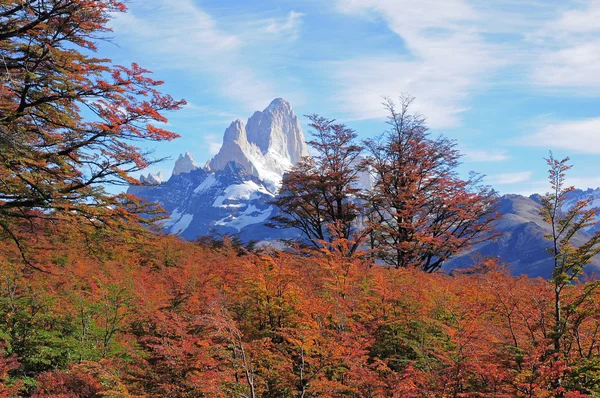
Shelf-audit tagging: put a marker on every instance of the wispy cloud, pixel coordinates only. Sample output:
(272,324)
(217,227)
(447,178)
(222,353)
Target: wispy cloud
(483,155)
(289,26)
(584,182)
(570,50)
(575,68)
(193,110)
(447,60)
(453,53)
(509,178)
(580,136)
(179,29)
(530,187)
(212,143)
(179,35)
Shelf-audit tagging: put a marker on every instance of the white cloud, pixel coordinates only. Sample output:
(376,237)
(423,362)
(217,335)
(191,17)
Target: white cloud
(289,26)
(193,110)
(580,20)
(509,178)
(439,93)
(584,182)
(530,188)
(413,15)
(576,67)
(453,53)
(570,50)
(448,60)
(580,136)
(213,143)
(181,36)
(174,28)
(482,155)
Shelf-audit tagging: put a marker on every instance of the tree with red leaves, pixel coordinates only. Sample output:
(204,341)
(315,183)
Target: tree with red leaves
(422,212)
(69,122)
(319,196)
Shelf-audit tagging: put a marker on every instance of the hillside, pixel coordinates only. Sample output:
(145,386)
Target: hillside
(522,245)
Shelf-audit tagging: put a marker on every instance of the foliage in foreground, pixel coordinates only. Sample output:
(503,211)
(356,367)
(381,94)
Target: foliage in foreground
(71,122)
(165,318)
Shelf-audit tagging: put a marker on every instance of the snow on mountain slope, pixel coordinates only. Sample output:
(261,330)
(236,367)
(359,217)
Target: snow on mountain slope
(178,222)
(252,215)
(590,194)
(234,194)
(201,202)
(206,184)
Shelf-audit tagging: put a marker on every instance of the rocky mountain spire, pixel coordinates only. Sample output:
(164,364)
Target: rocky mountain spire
(184,164)
(267,146)
(236,148)
(152,179)
(277,129)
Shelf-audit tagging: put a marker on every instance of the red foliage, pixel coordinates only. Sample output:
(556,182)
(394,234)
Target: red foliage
(67,385)
(55,157)
(180,319)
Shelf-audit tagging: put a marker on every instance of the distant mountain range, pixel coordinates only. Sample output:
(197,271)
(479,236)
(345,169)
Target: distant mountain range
(522,244)
(230,195)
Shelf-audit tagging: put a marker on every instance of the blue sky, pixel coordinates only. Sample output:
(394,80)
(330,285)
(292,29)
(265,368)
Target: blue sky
(509,79)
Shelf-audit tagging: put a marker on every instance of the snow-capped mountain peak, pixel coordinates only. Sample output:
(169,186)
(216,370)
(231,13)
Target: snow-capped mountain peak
(233,193)
(268,145)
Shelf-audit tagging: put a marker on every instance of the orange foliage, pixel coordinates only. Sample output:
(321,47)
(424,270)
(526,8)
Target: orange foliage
(161,317)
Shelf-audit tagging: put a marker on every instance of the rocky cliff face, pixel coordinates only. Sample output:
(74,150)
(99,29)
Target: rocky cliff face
(268,145)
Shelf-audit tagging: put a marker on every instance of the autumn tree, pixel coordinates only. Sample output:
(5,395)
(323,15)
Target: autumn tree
(319,195)
(70,122)
(180,319)
(570,257)
(421,211)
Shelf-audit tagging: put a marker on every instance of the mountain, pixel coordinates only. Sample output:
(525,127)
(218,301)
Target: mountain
(590,194)
(522,244)
(202,202)
(152,179)
(266,146)
(231,194)
(184,164)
